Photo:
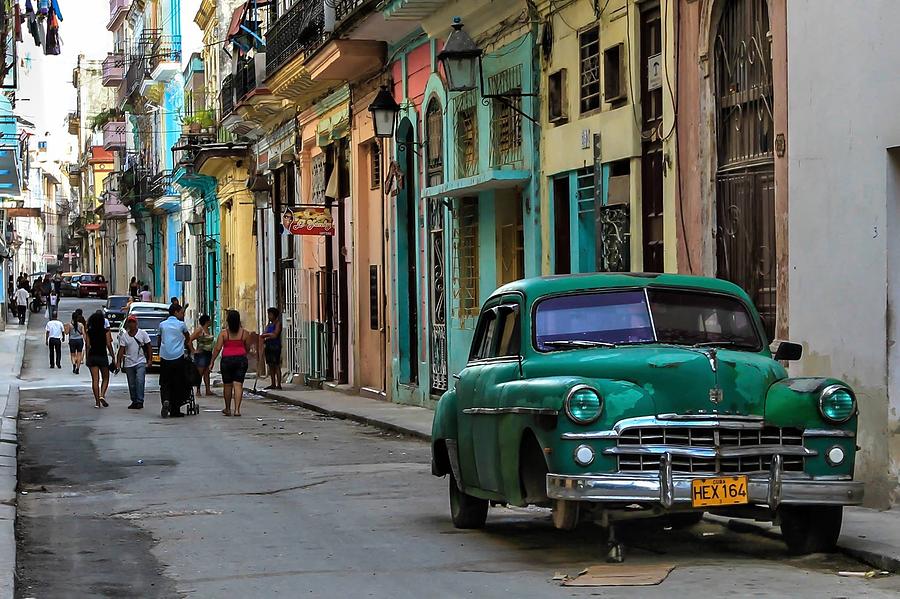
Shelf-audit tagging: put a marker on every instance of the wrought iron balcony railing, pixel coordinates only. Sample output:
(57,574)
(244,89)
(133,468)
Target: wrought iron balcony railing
(298,32)
(245,78)
(344,8)
(165,48)
(161,184)
(113,69)
(227,97)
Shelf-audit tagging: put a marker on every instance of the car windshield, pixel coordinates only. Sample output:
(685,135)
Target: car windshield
(116,303)
(91,278)
(624,317)
(150,323)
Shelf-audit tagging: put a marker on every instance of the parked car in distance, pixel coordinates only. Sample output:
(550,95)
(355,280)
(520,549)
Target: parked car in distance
(92,285)
(137,307)
(612,396)
(69,286)
(114,310)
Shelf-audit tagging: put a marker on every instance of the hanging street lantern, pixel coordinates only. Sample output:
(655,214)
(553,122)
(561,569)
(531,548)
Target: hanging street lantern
(384,109)
(461,58)
(195,224)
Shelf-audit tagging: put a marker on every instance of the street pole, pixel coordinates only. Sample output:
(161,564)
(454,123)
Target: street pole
(384,241)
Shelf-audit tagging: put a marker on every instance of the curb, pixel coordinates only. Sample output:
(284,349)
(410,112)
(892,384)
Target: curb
(873,558)
(388,426)
(20,356)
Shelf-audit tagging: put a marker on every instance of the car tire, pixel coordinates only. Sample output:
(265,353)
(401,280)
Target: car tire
(465,510)
(811,528)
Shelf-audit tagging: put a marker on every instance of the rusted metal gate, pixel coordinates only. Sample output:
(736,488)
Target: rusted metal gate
(745,186)
(291,323)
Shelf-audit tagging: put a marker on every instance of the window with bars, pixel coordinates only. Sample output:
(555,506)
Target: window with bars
(506,117)
(466,135)
(587,219)
(374,166)
(434,131)
(467,258)
(589,59)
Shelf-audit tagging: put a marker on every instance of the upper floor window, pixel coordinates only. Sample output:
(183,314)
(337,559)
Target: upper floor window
(506,117)
(434,131)
(589,59)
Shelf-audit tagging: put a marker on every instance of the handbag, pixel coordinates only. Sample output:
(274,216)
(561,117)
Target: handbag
(191,374)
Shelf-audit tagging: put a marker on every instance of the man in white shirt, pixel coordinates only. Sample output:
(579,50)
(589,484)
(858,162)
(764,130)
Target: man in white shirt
(134,355)
(21,297)
(146,296)
(54,335)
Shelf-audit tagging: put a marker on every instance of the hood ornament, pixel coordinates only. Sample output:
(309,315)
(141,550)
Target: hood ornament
(715,394)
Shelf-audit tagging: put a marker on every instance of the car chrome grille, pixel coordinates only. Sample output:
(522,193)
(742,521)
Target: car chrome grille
(661,438)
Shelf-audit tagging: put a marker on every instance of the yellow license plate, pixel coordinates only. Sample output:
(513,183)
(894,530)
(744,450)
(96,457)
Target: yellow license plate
(725,490)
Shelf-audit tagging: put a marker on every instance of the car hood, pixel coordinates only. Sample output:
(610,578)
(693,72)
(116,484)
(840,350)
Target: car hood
(677,379)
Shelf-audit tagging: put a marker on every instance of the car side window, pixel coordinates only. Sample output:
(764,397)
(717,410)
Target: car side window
(497,333)
(483,344)
(508,331)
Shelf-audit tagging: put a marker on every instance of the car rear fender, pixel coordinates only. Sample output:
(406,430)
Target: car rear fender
(443,427)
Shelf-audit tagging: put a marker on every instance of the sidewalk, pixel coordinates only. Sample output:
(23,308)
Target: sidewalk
(868,535)
(12,352)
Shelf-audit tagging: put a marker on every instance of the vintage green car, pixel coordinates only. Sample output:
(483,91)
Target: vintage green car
(612,396)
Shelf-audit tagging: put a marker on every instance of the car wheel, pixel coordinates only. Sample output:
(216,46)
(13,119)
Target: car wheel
(811,528)
(465,510)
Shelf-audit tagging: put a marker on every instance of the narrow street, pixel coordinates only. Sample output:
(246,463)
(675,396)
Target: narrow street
(284,502)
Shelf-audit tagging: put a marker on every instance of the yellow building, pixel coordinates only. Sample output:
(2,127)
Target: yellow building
(607,123)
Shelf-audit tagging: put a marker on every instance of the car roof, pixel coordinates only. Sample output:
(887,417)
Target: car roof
(147,307)
(549,285)
(118,296)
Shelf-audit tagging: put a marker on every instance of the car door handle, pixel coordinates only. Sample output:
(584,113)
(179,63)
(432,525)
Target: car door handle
(455,377)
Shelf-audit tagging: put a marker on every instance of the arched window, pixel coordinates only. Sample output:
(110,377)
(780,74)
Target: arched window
(434,132)
(745,178)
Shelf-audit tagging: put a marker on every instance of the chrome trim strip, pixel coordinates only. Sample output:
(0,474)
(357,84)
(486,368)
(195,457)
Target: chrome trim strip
(517,410)
(709,416)
(591,435)
(711,452)
(824,432)
(647,489)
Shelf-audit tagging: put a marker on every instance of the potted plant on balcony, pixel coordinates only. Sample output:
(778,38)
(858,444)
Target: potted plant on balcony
(100,120)
(207,120)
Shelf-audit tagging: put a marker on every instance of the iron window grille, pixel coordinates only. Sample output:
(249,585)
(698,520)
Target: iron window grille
(318,180)
(374,166)
(434,145)
(466,288)
(589,59)
(506,117)
(466,134)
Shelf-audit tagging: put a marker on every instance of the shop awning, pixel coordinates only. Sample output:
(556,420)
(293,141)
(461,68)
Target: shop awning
(487,181)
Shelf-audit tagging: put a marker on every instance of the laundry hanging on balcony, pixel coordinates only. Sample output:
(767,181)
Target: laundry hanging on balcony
(245,31)
(42,24)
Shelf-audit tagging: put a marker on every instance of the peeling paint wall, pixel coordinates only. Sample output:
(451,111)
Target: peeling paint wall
(842,122)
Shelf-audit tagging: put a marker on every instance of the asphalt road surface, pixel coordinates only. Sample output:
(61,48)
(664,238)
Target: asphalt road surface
(284,502)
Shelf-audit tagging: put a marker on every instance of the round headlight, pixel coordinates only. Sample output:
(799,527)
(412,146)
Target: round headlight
(583,405)
(837,404)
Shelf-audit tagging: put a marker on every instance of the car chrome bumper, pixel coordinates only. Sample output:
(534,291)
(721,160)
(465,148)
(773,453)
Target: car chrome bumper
(664,488)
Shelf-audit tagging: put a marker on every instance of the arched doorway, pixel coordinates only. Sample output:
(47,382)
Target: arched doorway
(407,273)
(745,140)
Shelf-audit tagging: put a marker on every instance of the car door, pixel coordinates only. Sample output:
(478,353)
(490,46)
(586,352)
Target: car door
(494,360)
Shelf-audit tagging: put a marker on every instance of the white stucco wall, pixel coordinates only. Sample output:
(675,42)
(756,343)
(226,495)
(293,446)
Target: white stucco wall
(843,116)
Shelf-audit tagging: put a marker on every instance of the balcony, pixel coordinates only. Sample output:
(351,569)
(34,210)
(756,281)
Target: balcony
(137,72)
(74,172)
(245,78)
(344,8)
(113,69)
(227,96)
(298,32)
(165,57)
(114,135)
(74,122)
(117,11)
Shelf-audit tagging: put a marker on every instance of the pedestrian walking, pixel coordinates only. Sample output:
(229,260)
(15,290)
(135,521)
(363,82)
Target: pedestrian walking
(52,304)
(174,340)
(272,338)
(146,296)
(204,340)
(133,288)
(234,345)
(99,350)
(134,355)
(76,330)
(55,333)
(22,296)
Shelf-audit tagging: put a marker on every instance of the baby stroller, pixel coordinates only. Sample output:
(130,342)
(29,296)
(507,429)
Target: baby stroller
(191,378)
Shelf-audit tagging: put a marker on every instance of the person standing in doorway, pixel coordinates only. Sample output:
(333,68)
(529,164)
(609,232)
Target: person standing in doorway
(174,339)
(204,340)
(133,287)
(75,330)
(54,335)
(272,337)
(99,350)
(22,296)
(134,355)
(234,345)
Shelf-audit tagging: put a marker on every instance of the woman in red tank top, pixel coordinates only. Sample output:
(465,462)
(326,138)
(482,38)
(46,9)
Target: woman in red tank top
(234,345)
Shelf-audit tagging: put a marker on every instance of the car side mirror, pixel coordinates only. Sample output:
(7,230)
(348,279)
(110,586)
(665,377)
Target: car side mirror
(788,351)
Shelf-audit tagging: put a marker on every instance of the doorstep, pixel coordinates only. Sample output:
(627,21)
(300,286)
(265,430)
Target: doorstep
(339,403)
(871,536)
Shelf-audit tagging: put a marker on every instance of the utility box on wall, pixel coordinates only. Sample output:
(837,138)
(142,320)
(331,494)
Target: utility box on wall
(183,272)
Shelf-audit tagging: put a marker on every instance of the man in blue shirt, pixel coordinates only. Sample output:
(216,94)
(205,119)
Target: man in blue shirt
(174,337)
